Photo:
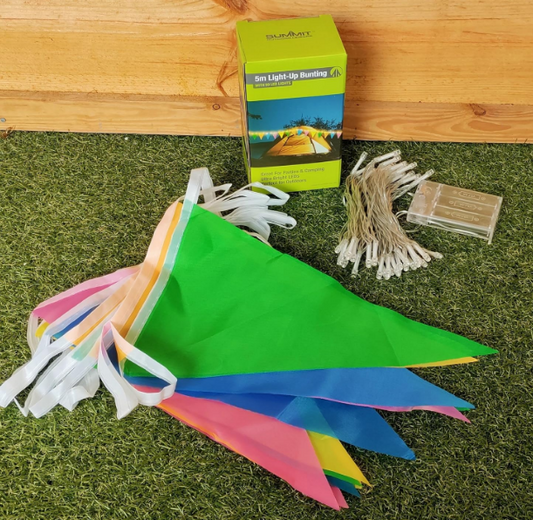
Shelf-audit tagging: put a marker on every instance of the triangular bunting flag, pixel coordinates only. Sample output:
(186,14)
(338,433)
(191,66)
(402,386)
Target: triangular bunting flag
(276,360)
(218,343)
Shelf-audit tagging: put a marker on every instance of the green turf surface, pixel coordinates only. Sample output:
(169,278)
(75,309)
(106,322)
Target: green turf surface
(78,206)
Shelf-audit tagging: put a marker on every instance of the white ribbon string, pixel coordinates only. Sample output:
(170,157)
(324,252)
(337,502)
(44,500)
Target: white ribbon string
(63,377)
(126,396)
(31,333)
(48,347)
(249,208)
(76,372)
(85,390)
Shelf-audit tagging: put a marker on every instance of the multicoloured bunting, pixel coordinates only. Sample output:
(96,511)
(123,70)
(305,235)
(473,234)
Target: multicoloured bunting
(275,360)
(295,131)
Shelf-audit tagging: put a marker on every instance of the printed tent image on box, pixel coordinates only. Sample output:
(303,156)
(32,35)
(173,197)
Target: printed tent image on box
(303,140)
(290,131)
(255,349)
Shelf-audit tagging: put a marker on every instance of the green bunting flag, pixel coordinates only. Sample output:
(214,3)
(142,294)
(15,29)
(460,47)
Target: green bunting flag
(259,351)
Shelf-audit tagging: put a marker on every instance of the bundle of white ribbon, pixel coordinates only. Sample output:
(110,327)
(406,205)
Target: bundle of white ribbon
(73,372)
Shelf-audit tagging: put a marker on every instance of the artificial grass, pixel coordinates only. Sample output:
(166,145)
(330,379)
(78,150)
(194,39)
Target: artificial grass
(78,206)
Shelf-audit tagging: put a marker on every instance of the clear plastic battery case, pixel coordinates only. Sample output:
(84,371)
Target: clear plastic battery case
(455,209)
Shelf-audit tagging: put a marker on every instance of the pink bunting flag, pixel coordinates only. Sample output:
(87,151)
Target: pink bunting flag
(339,134)
(53,308)
(278,447)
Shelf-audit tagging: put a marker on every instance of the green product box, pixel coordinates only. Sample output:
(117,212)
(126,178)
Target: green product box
(292,78)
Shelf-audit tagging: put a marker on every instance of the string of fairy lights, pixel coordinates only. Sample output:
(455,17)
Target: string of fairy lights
(287,132)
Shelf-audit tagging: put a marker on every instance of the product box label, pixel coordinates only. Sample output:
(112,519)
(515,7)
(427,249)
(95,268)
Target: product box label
(292,76)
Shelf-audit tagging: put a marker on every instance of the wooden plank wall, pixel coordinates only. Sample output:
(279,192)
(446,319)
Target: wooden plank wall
(447,70)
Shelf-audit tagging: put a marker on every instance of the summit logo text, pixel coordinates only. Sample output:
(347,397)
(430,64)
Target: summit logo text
(289,36)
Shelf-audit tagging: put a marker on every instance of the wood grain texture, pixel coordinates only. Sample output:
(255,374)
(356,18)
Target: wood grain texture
(78,112)
(371,120)
(178,57)
(450,122)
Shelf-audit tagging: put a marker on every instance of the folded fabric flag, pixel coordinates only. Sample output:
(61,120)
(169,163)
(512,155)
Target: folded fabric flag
(255,349)
(281,449)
